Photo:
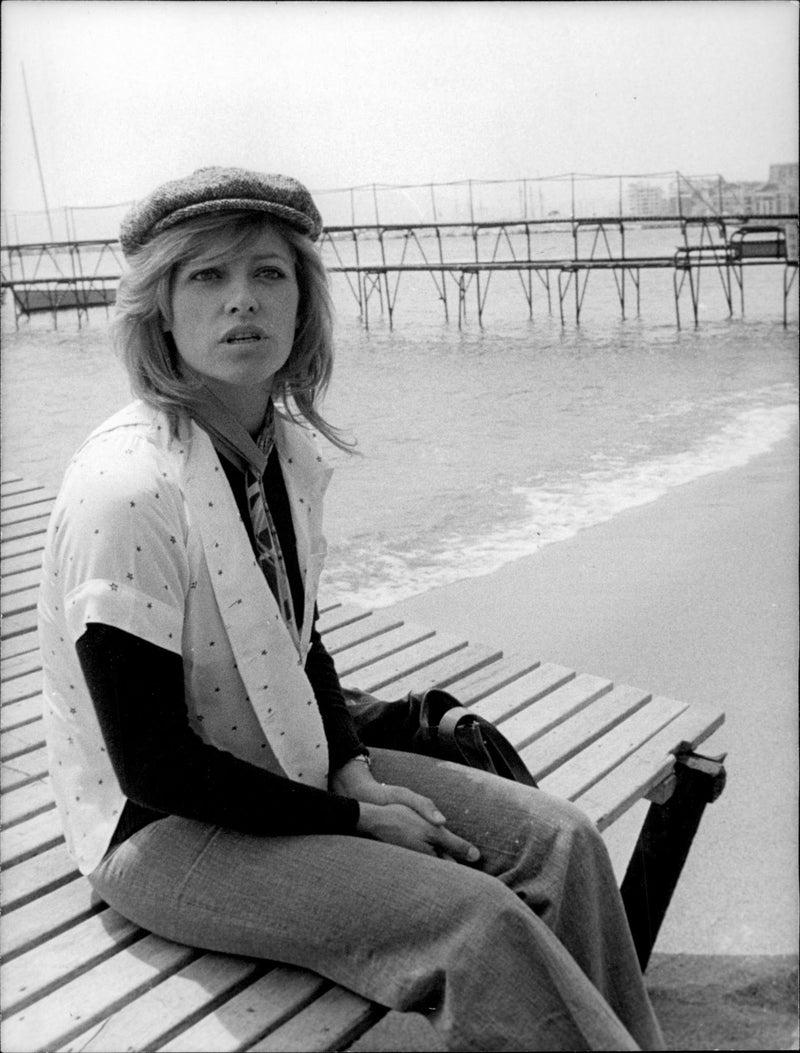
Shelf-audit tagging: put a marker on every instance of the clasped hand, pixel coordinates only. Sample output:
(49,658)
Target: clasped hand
(399,816)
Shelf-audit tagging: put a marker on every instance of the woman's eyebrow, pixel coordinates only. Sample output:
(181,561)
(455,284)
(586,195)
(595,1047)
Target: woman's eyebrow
(277,255)
(218,259)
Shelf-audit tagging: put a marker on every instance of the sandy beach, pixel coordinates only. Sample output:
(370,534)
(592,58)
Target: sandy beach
(692,596)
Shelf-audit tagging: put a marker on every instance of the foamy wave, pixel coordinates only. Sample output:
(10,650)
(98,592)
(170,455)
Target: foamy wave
(556,513)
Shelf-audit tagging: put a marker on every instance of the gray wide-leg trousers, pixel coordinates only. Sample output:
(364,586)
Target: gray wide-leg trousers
(526,950)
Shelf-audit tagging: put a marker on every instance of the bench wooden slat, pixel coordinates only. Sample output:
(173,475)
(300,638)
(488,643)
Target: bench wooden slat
(19,601)
(329,1023)
(610,798)
(151,1019)
(23,769)
(11,565)
(566,740)
(248,1016)
(554,708)
(576,776)
(337,640)
(36,877)
(47,916)
(21,740)
(22,624)
(9,490)
(21,665)
(18,485)
(499,674)
(76,1005)
(30,976)
(338,616)
(521,692)
(26,494)
(22,841)
(26,802)
(385,670)
(21,511)
(19,713)
(446,671)
(35,525)
(11,493)
(23,545)
(19,581)
(27,686)
(377,648)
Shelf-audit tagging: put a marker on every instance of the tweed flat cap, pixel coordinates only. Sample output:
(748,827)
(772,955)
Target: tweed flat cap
(219,190)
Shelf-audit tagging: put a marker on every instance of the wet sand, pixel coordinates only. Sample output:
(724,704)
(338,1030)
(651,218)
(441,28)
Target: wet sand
(694,596)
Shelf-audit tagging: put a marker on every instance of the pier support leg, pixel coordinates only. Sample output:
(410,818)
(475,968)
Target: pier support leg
(563,290)
(635,275)
(664,844)
(462,298)
(389,302)
(787,288)
(694,290)
(676,291)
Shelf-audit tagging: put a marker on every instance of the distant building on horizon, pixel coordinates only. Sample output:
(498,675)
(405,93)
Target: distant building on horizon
(707,197)
(648,199)
(697,196)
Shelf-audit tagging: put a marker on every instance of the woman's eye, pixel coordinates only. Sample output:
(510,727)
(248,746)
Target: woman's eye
(204,275)
(270,272)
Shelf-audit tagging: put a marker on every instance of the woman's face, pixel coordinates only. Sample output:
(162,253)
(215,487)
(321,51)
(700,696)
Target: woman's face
(234,313)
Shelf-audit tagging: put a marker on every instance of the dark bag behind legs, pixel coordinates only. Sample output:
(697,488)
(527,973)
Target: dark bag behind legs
(436,724)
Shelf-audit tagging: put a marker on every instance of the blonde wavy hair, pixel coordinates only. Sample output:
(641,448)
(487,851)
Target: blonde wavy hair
(143,311)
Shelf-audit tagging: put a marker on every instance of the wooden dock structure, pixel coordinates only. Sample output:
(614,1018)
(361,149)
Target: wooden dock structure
(373,258)
(78,976)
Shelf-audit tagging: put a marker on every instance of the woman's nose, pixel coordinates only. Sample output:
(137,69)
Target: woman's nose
(241,299)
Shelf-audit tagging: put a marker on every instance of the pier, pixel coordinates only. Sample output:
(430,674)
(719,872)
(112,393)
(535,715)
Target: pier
(461,259)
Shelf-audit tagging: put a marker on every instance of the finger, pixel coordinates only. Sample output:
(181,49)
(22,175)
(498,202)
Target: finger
(423,806)
(455,847)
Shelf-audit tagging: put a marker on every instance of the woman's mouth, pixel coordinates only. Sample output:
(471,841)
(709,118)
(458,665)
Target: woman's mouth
(242,334)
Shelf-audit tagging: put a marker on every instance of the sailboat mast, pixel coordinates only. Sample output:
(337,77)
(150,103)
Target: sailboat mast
(36,152)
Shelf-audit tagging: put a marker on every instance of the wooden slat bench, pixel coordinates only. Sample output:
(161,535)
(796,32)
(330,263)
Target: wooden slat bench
(77,976)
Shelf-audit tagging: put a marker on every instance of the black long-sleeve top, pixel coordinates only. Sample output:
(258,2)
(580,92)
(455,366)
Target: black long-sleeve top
(164,768)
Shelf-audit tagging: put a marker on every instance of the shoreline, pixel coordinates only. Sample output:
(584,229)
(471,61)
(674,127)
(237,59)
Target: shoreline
(692,596)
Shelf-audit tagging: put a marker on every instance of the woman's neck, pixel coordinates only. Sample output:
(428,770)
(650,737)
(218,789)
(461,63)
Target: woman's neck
(247,405)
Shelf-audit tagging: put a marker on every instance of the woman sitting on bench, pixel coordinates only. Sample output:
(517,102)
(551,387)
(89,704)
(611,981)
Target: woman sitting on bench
(208,773)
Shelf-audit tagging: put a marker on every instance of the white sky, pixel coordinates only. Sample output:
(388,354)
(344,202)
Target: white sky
(128,94)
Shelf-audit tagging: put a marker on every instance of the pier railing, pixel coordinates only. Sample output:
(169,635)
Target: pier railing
(558,254)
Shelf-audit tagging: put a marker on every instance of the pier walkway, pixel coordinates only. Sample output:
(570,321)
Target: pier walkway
(81,275)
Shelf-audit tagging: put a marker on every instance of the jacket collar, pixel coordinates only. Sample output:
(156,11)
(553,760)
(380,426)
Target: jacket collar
(298,455)
(226,433)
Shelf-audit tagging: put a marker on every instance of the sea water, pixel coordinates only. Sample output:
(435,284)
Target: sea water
(477,446)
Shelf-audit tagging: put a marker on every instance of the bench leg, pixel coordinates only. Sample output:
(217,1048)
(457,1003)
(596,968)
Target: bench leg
(664,844)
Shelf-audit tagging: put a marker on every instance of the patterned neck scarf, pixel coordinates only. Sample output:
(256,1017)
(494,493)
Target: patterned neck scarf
(233,441)
(268,545)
